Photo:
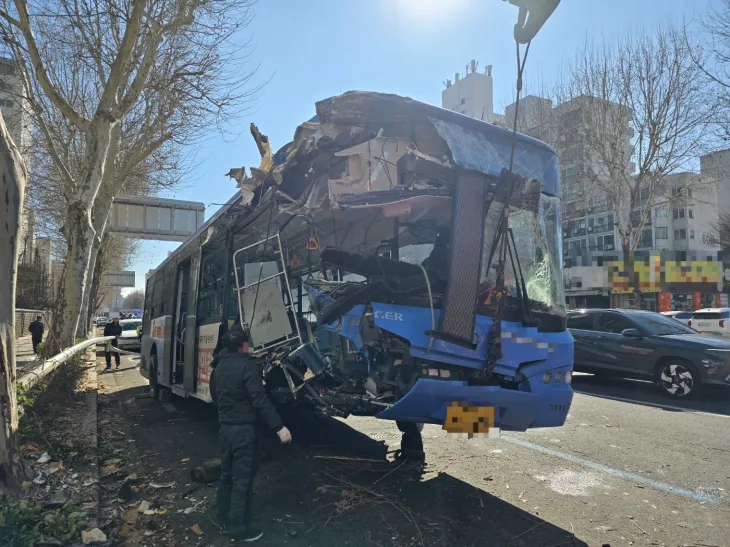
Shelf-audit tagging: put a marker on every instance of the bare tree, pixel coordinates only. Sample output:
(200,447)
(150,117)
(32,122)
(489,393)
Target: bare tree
(12,187)
(715,64)
(637,110)
(91,69)
(134,300)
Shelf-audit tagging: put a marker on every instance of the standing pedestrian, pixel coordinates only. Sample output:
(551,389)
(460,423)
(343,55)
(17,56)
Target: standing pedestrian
(36,329)
(237,390)
(112,329)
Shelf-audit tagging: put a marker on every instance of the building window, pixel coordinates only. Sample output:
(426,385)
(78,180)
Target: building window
(660,212)
(463,101)
(645,239)
(662,233)
(690,213)
(675,214)
(680,234)
(608,243)
(691,234)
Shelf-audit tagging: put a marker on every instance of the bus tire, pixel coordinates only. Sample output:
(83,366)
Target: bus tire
(154,385)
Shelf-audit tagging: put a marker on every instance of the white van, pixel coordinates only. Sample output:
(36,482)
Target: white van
(712,320)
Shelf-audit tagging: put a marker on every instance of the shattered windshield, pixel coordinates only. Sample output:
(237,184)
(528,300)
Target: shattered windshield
(539,250)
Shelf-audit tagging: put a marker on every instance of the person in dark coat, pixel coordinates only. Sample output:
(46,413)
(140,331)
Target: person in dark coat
(238,393)
(36,329)
(112,329)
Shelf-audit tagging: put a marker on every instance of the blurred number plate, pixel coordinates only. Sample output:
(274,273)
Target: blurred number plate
(464,418)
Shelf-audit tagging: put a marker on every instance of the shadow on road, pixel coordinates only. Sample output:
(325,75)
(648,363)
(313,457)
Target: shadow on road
(713,400)
(334,486)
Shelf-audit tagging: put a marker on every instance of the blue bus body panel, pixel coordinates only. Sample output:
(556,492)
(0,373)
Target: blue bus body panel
(545,405)
(514,410)
(523,348)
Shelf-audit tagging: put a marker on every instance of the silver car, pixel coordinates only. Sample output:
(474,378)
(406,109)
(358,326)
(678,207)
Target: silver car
(129,339)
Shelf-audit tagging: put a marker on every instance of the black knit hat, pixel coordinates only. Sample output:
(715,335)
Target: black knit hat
(235,337)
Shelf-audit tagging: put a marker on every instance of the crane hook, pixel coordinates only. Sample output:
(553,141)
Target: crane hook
(531,17)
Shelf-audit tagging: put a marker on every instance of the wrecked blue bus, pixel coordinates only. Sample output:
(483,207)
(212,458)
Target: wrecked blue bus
(364,259)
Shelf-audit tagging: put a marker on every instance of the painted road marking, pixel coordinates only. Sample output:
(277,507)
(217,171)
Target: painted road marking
(655,405)
(637,479)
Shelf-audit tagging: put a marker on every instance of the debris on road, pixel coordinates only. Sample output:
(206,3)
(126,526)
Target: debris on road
(93,536)
(207,472)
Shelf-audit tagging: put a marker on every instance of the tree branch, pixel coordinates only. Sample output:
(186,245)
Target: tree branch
(40,70)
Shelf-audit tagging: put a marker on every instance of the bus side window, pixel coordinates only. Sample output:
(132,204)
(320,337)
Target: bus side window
(158,303)
(147,307)
(212,284)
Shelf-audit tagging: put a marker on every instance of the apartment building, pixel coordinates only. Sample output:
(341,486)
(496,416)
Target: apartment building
(676,259)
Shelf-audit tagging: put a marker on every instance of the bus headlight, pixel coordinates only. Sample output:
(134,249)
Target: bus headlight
(569,377)
(547,377)
(558,377)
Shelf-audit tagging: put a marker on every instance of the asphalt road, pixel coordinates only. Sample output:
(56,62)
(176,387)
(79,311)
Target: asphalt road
(628,468)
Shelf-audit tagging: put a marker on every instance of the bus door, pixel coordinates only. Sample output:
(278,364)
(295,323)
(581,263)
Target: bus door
(181,335)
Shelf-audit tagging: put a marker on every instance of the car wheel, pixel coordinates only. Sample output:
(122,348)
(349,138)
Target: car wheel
(678,379)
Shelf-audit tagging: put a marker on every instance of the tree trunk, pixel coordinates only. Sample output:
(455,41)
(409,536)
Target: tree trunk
(85,321)
(12,187)
(80,235)
(99,217)
(633,277)
(93,300)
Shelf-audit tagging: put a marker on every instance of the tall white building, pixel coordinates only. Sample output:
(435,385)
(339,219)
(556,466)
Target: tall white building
(13,104)
(44,253)
(471,94)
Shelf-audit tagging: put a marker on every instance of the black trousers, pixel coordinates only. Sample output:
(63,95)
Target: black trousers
(36,340)
(411,442)
(108,355)
(238,471)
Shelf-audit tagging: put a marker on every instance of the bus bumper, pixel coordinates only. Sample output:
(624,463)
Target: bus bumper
(514,410)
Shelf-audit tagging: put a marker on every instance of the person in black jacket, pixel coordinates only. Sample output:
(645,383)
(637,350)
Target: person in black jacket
(36,329)
(112,329)
(238,392)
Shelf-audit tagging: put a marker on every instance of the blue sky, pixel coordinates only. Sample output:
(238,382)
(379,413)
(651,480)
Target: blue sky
(312,49)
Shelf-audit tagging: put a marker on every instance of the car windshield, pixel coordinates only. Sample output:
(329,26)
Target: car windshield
(656,324)
(131,325)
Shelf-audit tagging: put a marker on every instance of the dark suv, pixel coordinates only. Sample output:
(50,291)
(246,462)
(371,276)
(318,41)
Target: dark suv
(648,345)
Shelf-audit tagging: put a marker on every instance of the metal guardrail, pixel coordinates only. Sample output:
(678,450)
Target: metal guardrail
(54,362)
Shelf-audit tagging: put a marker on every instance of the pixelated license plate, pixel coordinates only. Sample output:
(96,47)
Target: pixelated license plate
(470,420)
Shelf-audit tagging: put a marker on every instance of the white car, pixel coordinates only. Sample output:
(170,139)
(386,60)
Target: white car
(129,340)
(681,316)
(101,321)
(711,320)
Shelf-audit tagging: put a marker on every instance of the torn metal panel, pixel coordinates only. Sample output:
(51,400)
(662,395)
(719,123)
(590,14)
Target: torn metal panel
(482,152)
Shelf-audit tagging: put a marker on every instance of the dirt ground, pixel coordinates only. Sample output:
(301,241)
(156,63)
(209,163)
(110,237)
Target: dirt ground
(334,486)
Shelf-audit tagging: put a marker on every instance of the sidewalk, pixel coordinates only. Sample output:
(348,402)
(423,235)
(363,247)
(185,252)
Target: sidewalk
(24,356)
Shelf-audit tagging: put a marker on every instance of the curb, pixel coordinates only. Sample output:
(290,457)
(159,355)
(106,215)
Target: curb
(90,423)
